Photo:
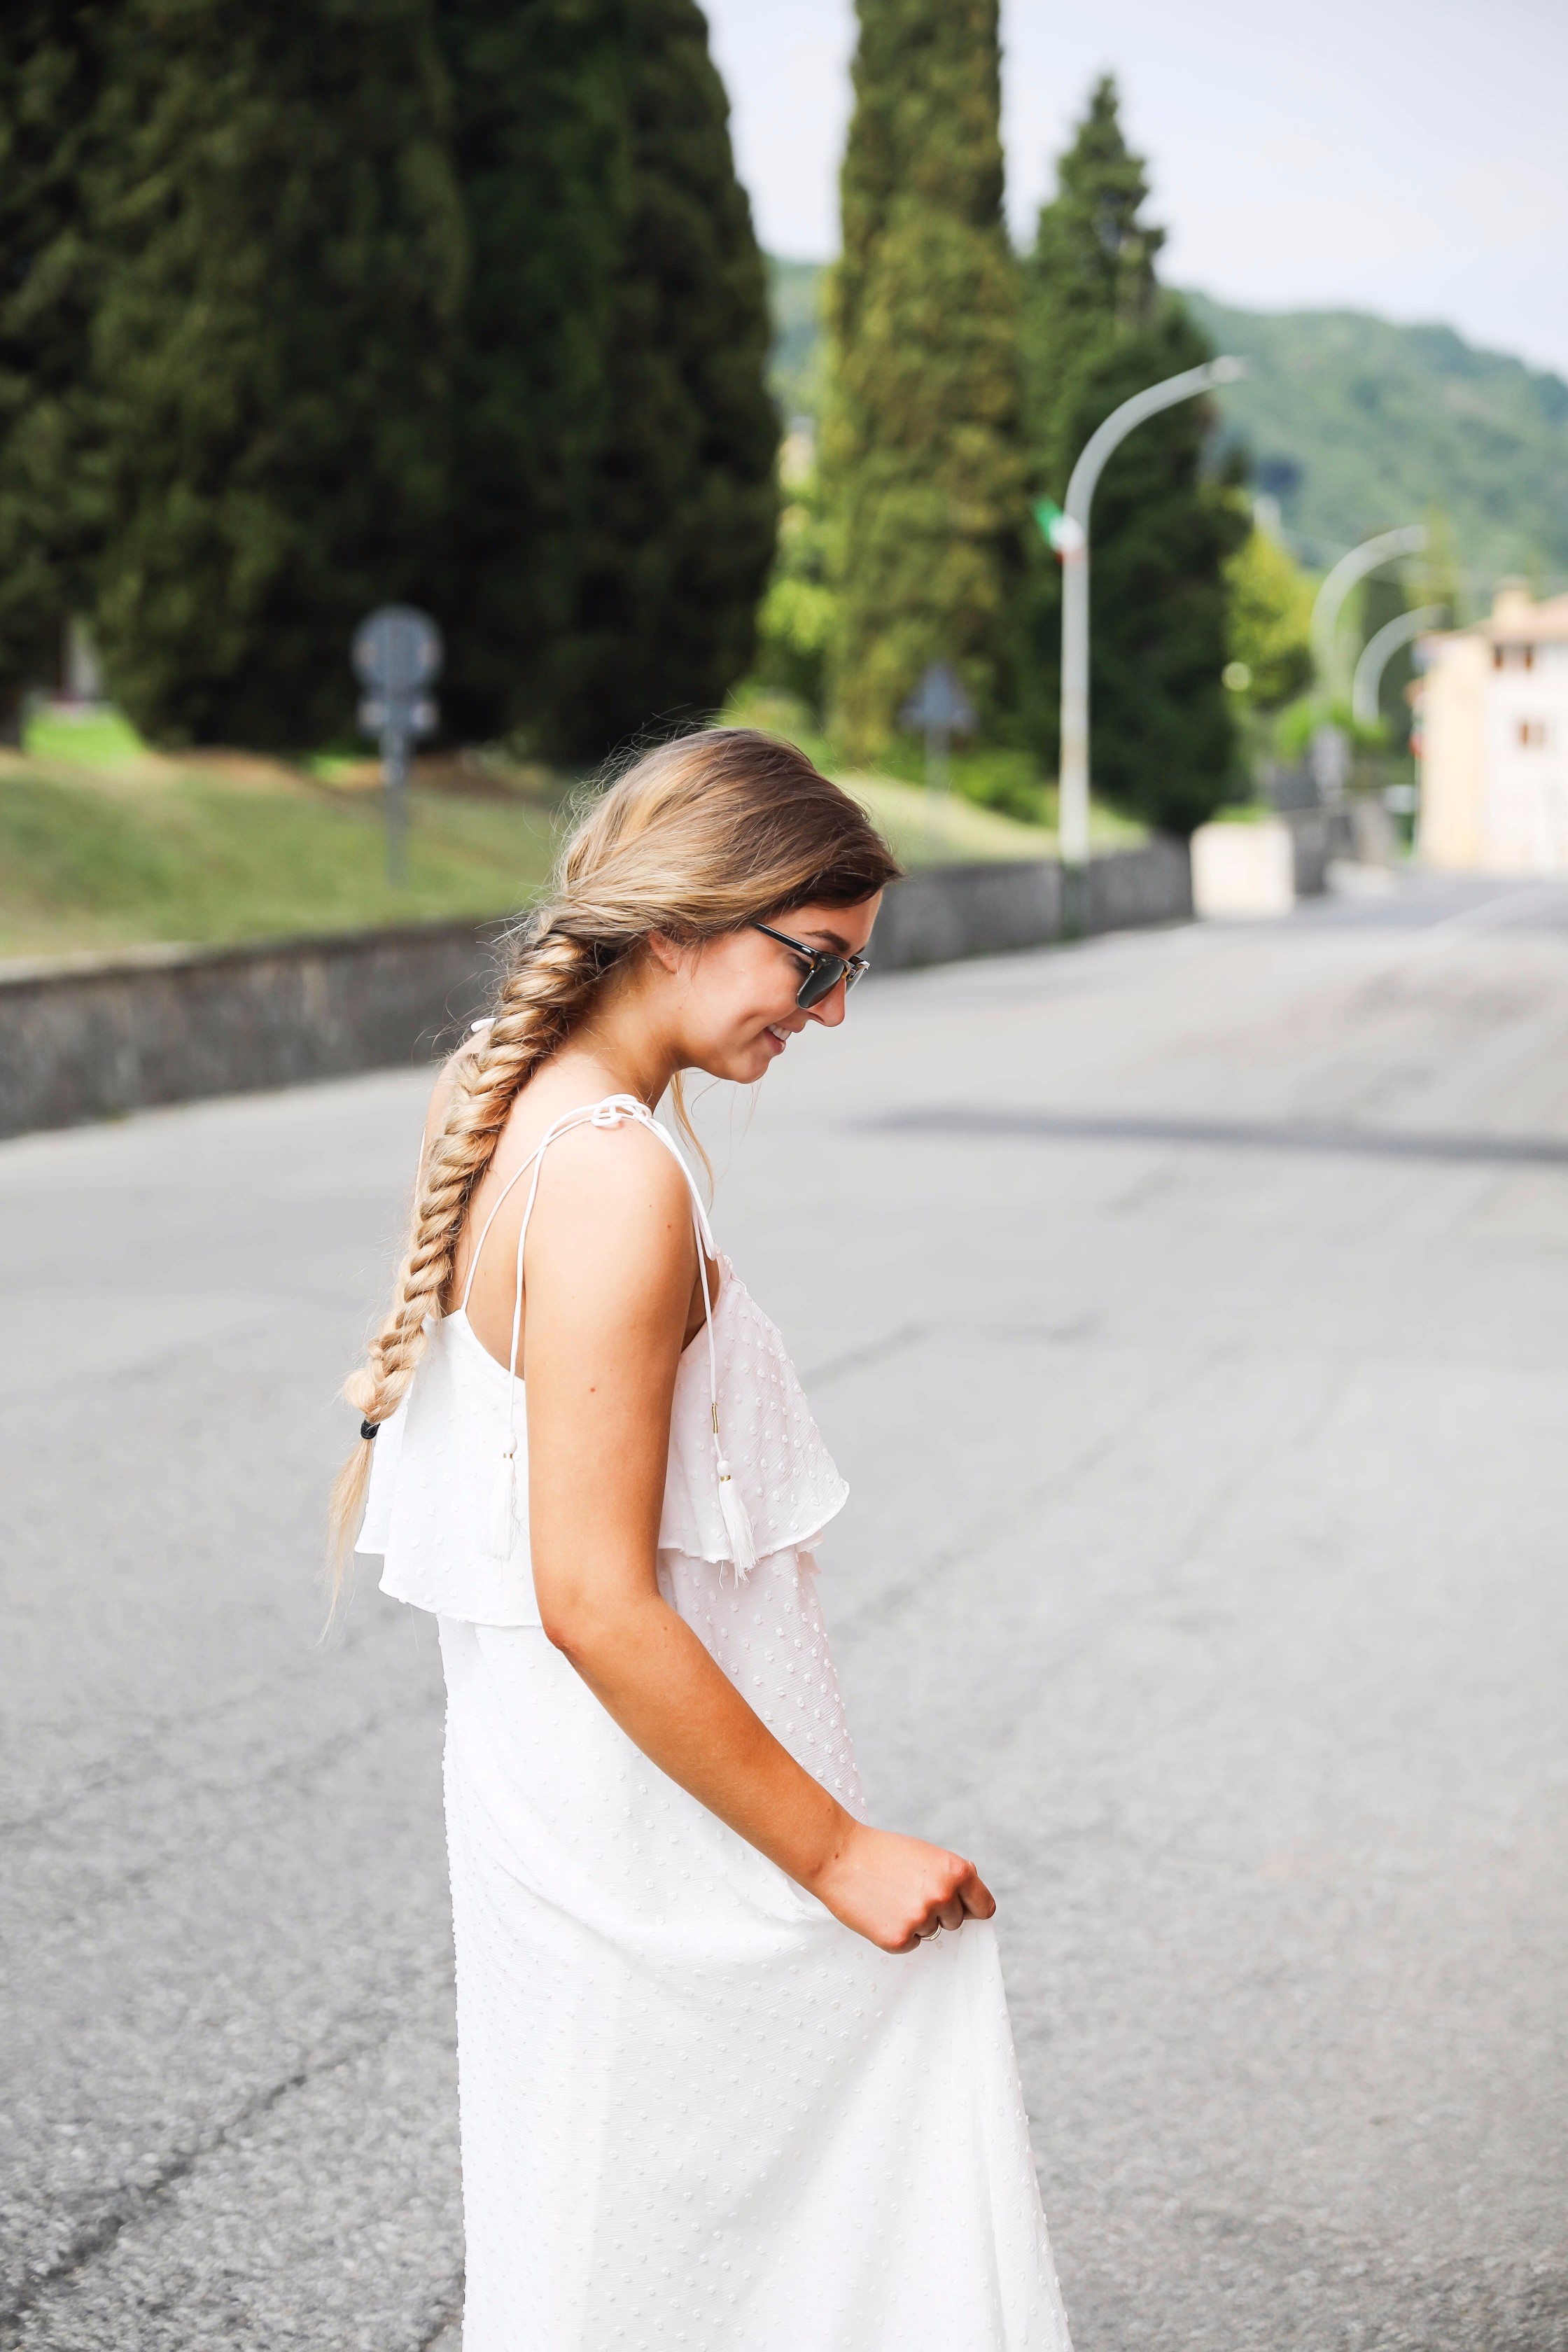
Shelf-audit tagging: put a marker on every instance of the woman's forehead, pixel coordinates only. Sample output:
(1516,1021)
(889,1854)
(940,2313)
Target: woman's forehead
(843,927)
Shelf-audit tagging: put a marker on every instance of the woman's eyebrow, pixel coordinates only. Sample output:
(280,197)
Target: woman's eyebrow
(818,931)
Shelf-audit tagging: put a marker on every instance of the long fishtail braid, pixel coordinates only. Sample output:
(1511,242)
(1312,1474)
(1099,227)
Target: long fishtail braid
(542,1000)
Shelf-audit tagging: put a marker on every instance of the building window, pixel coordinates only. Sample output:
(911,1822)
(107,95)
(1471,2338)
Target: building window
(1532,734)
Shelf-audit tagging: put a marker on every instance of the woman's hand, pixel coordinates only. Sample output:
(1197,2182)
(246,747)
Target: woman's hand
(898,1891)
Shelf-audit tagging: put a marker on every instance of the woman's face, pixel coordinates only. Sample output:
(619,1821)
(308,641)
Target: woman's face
(734,997)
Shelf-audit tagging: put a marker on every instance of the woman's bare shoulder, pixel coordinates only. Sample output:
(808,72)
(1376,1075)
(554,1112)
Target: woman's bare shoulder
(611,1239)
(618,1177)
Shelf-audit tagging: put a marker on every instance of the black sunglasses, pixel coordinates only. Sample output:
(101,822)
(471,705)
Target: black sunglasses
(824,969)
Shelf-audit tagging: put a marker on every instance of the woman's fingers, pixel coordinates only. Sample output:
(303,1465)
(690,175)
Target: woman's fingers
(978,1899)
(968,1898)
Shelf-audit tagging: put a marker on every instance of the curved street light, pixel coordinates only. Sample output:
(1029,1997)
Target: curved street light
(1329,602)
(1069,536)
(1375,654)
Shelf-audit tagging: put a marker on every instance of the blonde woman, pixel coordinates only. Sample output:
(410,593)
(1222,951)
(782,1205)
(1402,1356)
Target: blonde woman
(735,2066)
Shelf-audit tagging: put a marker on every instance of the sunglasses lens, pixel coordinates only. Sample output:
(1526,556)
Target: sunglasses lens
(820,982)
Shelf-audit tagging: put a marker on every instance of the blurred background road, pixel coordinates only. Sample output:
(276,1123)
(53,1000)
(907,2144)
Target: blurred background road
(1187,1313)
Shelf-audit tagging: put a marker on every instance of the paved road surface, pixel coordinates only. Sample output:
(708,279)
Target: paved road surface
(1189,1314)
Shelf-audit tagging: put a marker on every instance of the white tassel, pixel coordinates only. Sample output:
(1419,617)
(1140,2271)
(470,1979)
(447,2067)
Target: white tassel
(504,1504)
(737,1523)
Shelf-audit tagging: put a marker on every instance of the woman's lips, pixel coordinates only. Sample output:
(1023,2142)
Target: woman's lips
(779,1036)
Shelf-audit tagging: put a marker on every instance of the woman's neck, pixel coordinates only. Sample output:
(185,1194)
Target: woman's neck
(611,1056)
(630,1041)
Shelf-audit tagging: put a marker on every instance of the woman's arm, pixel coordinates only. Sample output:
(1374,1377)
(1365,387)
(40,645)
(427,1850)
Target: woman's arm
(610,1262)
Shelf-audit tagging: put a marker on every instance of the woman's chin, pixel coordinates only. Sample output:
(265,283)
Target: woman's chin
(744,1066)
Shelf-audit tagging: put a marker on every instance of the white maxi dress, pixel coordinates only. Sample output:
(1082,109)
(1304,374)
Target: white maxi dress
(696,2111)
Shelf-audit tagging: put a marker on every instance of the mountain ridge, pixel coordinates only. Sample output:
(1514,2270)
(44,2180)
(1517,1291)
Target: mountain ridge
(1352,424)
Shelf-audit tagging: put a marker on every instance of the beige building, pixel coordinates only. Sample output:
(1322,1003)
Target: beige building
(1493,732)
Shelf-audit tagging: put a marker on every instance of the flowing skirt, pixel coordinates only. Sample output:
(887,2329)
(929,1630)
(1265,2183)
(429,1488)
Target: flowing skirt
(696,2110)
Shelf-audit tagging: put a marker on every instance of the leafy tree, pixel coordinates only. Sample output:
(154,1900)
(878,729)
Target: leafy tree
(681,496)
(50,82)
(923,462)
(799,615)
(1269,620)
(1097,328)
(282,258)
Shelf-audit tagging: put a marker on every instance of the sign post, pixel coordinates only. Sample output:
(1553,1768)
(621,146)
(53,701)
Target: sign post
(939,706)
(396,656)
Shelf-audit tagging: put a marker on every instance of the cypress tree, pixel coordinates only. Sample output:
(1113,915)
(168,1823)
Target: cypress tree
(291,399)
(1097,328)
(50,84)
(282,258)
(681,497)
(920,454)
(540,148)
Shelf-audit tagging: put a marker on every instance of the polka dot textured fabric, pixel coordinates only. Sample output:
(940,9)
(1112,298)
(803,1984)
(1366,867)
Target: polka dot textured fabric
(696,2110)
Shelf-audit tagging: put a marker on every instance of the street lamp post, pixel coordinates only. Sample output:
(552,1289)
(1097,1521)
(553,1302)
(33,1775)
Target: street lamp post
(1337,584)
(1069,534)
(1376,654)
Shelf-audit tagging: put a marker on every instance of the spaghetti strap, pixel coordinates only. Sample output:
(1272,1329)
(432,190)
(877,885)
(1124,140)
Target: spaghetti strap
(626,1105)
(485,1229)
(610,1112)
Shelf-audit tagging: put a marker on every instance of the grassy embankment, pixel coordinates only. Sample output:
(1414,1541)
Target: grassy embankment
(104,845)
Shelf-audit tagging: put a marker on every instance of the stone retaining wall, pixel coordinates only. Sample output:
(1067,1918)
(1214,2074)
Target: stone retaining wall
(89,1037)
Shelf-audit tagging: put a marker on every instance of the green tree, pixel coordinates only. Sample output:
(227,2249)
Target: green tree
(540,147)
(799,616)
(282,258)
(1269,620)
(1097,328)
(681,497)
(922,464)
(50,84)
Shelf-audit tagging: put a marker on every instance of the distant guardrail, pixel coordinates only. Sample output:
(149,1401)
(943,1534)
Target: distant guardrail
(86,1037)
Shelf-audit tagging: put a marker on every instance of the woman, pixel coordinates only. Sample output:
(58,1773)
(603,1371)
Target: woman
(725,2083)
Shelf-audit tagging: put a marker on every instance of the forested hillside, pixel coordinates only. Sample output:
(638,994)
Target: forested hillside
(1352,424)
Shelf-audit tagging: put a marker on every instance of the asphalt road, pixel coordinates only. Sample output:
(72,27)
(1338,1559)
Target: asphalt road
(1188,1312)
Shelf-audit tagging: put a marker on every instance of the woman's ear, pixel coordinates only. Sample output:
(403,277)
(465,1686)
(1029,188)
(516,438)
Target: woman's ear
(664,952)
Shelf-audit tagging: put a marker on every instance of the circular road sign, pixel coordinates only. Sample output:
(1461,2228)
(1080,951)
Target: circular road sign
(396,651)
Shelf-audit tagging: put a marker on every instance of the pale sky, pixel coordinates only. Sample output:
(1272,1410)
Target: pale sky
(1401,156)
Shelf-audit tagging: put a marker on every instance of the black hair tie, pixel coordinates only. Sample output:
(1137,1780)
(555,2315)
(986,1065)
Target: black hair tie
(369,1428)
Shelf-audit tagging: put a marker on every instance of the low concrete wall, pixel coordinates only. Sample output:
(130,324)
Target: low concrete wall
(1130,887)
(89,1037)
(944,912)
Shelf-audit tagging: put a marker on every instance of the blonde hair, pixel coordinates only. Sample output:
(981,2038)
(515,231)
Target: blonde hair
(697,838)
